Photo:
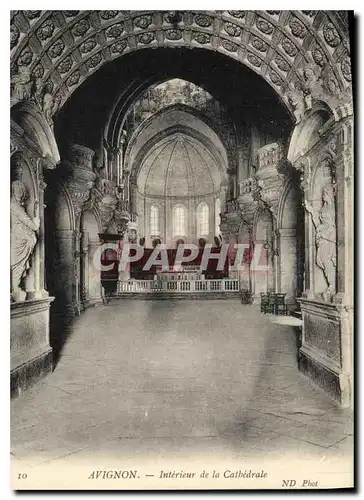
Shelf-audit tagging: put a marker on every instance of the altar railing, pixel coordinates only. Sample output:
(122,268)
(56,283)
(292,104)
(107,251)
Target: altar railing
(178,286)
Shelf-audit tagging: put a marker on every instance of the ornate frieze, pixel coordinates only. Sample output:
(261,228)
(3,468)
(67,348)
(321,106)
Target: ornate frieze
(174,34)
(316,84)
(14,36)
(247,200)
(26,57)
(298,29)
(115,30)
(331,34)
(264,26)
(74,78)
(254,60)
(229,46)
(118,47)
(108,14)
(80,28)
(77,32)
(146,38)
(202,38)
(143,22)
(232,29)
(346,67)
(77,175)
(259,44)
(238,14)
(65,65)
(203,20)
(318,56)
(56,49)
(281,63)
(70,13)
(94,60)
(88,45)
(270,181)
(46,30)
(276,79)
(289,47)
(22,85)
(32,14)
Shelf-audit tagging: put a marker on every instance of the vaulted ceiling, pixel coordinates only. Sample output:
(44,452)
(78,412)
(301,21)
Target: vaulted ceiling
(179,166)
(63,48)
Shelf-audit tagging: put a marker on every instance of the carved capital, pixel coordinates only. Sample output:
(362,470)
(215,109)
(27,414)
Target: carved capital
(78,183)
(80,156)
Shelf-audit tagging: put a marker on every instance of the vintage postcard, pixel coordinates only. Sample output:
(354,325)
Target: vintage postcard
(181,250)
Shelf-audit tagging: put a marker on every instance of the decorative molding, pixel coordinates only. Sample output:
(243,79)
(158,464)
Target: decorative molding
(113,32)
(270,182)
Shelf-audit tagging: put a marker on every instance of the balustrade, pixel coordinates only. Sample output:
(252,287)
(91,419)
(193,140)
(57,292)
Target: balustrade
(178,286)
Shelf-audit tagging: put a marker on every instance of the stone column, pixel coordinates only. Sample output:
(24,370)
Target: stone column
(64,264)
(345,257)
(344,210)
(38,257)
(287,264)
(94,275)
(133,198)
(76,270)
(77,176)
(84,268)
(126,177)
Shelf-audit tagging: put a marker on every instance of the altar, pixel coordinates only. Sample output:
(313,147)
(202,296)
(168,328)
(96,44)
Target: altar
(191,273)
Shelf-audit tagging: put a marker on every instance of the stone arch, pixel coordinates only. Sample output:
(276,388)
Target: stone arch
(189,111)
(37,131)
(306,133)
(247,36)
(221,162)
(90,222)
(165,135)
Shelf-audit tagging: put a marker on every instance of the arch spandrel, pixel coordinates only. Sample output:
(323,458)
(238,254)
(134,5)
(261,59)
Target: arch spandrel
(62,49)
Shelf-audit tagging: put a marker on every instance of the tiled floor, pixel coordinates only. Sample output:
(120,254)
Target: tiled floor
(183,378)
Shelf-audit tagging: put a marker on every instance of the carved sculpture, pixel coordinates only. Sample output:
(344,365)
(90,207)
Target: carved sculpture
(22,85)
(324,221)
(23,238)
(297,102)
(50,105)
(310,82)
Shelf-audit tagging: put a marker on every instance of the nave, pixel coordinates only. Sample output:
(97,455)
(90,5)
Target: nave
(183,379)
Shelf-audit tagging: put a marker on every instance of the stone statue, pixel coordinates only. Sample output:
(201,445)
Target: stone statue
(48,102)
(309,84)
(23,238)
(324,221)
(22,84)
(50,105)
(297,102)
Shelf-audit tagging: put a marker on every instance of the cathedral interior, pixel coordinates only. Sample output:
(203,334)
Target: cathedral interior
(162,128)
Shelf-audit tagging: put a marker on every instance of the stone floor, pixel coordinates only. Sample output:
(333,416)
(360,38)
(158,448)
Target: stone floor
(178,379)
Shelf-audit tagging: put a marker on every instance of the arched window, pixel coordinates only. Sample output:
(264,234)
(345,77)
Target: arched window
(179,221)
(203,219)
(217,216)
(154,220)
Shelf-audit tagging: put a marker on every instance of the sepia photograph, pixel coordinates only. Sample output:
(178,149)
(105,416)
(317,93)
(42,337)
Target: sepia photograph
(181,250)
